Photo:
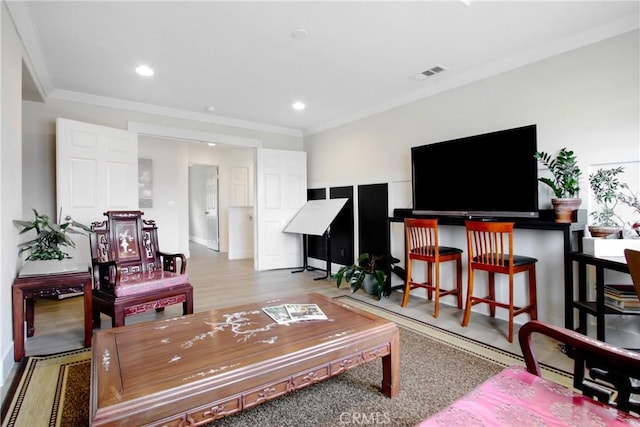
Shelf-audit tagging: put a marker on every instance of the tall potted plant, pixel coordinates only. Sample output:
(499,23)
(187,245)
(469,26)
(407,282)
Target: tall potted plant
(606,189)
(366,273)
(565,183)
(45,251)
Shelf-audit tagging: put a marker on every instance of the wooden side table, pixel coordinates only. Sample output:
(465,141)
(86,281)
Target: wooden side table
(26,288)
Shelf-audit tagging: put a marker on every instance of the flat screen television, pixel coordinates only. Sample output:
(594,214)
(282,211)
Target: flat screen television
(486,176)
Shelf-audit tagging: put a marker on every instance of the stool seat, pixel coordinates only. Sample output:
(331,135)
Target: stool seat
(517,260)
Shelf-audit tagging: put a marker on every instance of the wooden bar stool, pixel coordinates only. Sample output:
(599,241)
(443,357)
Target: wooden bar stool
(490,249)
(421,236)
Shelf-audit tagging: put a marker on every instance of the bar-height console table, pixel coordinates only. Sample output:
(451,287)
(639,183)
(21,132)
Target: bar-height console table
(26,288)
(596,308)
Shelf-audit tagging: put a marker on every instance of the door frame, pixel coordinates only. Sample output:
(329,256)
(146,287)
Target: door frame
(199,136)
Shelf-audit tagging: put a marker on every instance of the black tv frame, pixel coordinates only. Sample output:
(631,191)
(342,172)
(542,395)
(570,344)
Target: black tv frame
(486,176)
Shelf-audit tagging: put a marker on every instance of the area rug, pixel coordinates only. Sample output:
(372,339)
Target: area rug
(435,370)
(50,391)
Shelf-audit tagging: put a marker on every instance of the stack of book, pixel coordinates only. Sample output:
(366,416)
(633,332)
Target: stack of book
(622,298)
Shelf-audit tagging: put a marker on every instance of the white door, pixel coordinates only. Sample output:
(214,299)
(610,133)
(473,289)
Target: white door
(239,186)
(96,171)
(281,192)
(211,183)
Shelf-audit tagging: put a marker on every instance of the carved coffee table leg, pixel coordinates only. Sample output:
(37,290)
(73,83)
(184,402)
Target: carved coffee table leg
(391,368)
(30,302)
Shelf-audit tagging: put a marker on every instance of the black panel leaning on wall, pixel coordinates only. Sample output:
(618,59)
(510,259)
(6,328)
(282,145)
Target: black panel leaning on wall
(342,242)
(373,211)
(316,247)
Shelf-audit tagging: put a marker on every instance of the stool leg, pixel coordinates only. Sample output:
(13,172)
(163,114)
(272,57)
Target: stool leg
(511,308)
(407,284)
(467,306)
(533,294)
(492,294)
(459,281)
(436,285)
(430,281)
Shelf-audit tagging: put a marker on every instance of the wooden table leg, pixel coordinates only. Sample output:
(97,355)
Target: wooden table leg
(18,323)
(88,313)
(30,306)
(391,368)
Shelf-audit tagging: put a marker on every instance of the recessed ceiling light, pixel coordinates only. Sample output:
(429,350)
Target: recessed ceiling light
(298,106)
(211,109)
(144,70)
(299,34)
(211,144)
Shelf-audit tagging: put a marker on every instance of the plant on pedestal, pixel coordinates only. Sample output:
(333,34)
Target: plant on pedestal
(565,183)
(606,190)
(50,237)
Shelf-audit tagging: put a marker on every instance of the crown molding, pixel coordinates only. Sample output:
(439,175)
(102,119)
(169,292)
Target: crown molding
(66,95)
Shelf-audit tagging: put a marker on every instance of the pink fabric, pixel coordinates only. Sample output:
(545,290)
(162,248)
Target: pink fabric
(514,397)
(135,283)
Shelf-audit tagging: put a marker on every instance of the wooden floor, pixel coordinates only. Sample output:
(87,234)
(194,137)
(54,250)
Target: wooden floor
(219,282)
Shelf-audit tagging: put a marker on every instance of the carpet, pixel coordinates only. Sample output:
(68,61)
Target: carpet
(436,368)
(50,391)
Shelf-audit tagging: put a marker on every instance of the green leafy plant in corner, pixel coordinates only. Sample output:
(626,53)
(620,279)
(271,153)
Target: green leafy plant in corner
(606,189)
(367,268)
(565,171)
(50,237)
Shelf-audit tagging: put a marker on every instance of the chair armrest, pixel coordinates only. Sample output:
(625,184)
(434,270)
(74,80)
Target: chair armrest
(169,262)
(617,367)
(106,275)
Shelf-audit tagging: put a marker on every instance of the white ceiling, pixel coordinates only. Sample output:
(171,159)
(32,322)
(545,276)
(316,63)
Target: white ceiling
(240,57)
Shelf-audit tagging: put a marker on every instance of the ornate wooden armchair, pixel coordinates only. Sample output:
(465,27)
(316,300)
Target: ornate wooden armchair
(130,273)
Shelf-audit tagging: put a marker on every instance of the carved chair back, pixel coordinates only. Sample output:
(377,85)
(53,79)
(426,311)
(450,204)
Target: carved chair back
(128,239)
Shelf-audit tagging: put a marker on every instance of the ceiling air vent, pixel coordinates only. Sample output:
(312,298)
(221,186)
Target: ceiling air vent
(430,72)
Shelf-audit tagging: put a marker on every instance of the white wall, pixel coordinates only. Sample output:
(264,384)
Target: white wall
(10,178)
(586,99)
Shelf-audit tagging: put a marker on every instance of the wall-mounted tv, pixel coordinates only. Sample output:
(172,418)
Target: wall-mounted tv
(489,175)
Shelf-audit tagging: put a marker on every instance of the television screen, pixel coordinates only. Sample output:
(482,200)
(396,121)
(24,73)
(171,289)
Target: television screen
(489,175)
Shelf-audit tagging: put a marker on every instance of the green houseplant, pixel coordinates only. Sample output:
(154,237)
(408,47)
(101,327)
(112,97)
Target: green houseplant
(366,273)
(608,192)
(50,237)
(565,183)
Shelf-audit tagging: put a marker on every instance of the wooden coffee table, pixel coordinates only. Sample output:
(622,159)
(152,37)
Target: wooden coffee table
(194,369)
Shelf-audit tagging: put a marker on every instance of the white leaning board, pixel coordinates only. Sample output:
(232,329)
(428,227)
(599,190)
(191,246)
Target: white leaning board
(315,216)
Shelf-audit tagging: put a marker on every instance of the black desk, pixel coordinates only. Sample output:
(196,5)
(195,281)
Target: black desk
(596,308)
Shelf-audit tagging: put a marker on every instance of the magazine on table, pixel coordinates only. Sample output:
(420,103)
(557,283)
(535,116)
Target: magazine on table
(287,313)
(305,312)
(278,313)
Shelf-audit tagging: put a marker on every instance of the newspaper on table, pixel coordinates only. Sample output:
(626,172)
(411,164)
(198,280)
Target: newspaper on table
(305,312)
(287,313)
(278,313)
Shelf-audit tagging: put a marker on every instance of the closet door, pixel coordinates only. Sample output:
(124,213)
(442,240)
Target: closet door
(96,171)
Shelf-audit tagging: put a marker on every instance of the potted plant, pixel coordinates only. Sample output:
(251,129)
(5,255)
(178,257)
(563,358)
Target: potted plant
(48,242)
(565,183)
(606,190)
(366,273)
